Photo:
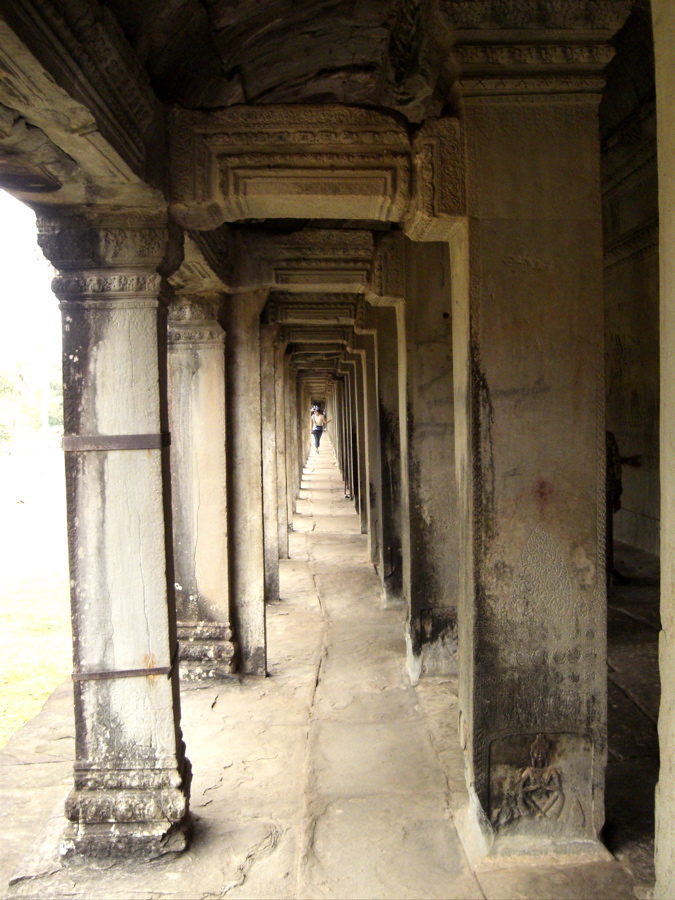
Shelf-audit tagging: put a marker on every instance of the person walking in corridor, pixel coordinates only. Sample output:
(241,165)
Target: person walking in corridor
(319,423)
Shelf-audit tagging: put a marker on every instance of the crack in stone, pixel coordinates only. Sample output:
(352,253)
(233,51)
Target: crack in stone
(259,851)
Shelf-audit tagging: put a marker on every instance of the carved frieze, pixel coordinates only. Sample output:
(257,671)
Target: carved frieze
(109,260)
(525,47)
(89,56)
(288,162)
(297,334)
(313,259)
(328,309)
(591,15)
(74,241)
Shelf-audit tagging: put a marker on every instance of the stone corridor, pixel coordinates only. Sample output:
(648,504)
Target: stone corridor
(330,778)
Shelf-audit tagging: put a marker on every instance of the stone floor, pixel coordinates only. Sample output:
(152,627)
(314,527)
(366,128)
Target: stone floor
(334,777)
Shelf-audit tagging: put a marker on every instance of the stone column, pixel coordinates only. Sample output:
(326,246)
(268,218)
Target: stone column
(282,487)
(367,340)
(663,13)
(390,442)
(355,362)
(245,489)
(431,481)
(528,350)
(268,408)
(131,775)
(291,440)
(198,486)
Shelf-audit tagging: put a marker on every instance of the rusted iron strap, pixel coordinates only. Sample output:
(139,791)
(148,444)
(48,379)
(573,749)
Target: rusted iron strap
(76,443)
(127,673)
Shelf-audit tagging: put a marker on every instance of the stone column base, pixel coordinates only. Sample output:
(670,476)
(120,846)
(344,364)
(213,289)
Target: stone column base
(109,818)
(207,651)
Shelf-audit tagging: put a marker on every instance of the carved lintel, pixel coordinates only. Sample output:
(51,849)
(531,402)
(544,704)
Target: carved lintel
(588,16)
(313,260)
(308,335)
(314,309)
(262,161)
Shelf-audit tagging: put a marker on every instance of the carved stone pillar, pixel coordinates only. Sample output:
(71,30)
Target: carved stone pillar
(198,486)
(245,488)
(268,410)
(131,775)
(529,368)
(280,409)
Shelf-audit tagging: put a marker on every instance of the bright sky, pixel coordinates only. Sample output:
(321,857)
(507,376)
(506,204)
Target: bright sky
(31,322)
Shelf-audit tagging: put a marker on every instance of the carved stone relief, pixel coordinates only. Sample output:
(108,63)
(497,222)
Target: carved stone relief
(540,784)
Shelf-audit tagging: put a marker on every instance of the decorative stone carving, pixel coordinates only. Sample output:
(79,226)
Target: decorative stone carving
(546,795)
(194,319)
(439,192)
(108,241)
(593,15)
(387,275)
(296,309)
(512,48)
(285,161)
(93,62)
(312,260)
(195,275)
(316,335)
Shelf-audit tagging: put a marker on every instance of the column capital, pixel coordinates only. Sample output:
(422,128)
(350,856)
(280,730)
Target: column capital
(193,319)
(525,48)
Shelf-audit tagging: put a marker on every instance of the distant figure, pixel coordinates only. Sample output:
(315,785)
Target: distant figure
(319,423)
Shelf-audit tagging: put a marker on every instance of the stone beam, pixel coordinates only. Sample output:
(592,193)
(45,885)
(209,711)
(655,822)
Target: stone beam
(310,260)
(312,309)
(324,162)
(79,82)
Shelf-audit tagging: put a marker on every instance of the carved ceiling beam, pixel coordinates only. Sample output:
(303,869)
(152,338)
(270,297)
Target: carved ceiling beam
(312,309)
(526,47)
(295,334)
(258,162)
(312,260)
(78,81)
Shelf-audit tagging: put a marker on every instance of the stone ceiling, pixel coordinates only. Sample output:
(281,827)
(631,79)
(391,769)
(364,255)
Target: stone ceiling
(212,53)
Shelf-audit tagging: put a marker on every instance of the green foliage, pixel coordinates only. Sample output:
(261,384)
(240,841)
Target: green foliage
(29,403)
